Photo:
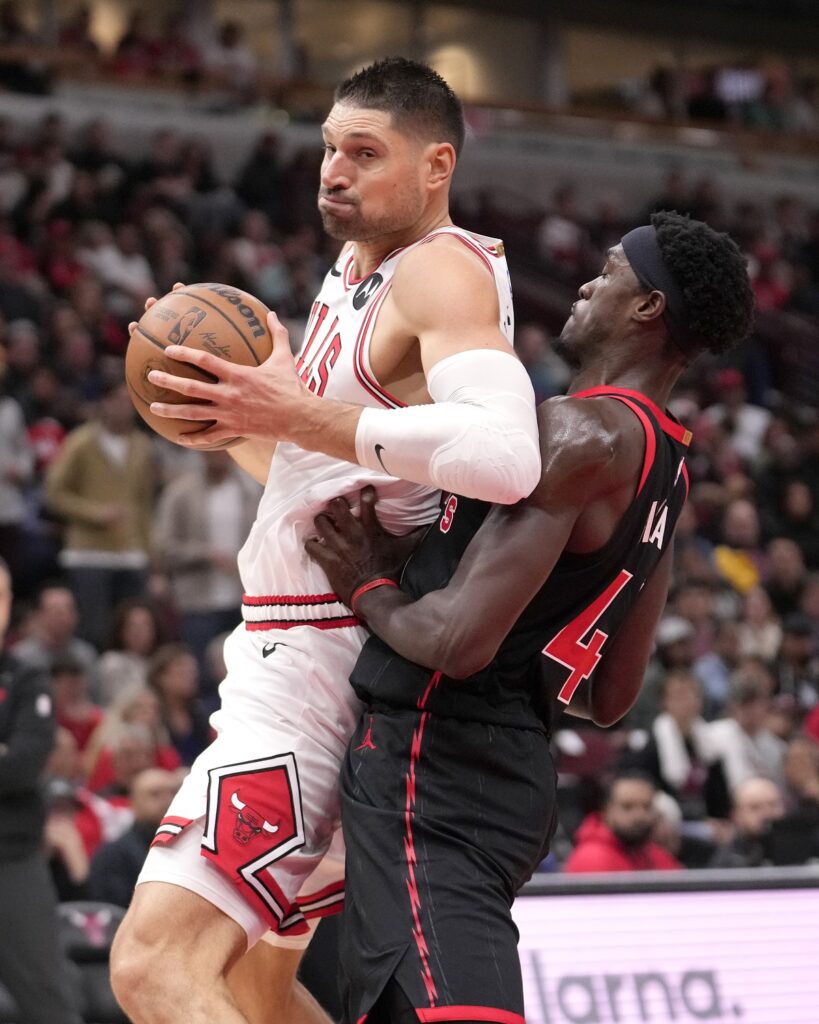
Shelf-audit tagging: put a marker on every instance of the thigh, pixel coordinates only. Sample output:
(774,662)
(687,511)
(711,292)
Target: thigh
(32,965)
(443,821)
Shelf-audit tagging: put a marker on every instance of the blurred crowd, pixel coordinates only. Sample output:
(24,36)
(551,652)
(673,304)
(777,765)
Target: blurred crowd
(761,97)
(186,53)
(219,59)
(123,547)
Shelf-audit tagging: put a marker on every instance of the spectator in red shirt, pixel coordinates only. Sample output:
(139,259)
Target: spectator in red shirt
(619,838)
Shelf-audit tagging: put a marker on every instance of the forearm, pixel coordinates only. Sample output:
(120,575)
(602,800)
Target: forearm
(327,426)
(413,629)
(479,437)
(254,457)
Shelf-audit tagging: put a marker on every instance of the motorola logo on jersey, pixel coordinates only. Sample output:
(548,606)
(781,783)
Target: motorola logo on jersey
(366,290)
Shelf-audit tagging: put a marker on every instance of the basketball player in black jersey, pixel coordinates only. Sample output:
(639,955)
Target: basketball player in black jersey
(505,617)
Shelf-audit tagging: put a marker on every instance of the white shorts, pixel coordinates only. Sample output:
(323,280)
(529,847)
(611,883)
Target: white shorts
(251,825)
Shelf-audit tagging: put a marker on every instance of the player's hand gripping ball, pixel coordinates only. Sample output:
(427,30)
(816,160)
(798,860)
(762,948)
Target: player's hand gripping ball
(215,318)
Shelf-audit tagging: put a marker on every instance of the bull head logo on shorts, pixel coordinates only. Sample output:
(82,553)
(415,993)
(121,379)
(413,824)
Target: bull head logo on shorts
(249,823)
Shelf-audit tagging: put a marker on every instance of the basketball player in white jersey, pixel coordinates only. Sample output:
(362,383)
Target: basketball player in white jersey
(406,373)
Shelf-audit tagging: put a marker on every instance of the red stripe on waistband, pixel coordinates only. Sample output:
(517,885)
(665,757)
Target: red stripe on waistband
(340,623)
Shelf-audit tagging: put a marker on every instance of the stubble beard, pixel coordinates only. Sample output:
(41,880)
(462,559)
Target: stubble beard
(402,213)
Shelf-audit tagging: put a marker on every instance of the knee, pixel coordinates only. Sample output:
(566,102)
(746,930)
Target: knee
(140,978)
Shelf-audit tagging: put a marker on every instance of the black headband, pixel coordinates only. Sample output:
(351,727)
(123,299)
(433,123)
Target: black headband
(643,253)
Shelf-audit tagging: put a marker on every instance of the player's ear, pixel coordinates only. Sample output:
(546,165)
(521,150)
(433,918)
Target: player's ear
(650,306)
(441,164)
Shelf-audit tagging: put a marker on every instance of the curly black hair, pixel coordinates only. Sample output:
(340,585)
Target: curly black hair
(414,94)
(713,277)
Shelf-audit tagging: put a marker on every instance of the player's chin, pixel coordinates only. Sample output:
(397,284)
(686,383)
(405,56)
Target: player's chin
(340,220)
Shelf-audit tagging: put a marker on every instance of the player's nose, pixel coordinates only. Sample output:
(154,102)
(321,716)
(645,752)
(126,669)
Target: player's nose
(335,171)
(585,290)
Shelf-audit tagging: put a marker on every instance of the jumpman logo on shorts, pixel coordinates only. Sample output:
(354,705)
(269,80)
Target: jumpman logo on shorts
(367,743)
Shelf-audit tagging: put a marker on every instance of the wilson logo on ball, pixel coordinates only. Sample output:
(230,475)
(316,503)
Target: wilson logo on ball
(256,328)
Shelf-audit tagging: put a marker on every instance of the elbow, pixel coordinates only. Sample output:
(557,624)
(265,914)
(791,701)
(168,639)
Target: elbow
(514,472)
(499,465)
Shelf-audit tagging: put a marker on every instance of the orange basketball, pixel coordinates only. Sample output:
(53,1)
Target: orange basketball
(215,318)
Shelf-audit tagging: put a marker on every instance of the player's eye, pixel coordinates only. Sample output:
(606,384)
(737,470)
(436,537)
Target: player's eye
(328,148)
(368,154)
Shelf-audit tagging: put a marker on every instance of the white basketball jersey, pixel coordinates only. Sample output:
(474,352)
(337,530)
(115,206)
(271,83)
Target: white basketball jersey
(280,581)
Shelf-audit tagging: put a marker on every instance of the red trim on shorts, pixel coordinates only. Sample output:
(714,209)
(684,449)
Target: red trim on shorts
(669,426)
(331,898)
(339,623)
(412,859)
(291,599)
(168,829)
(685,477)
(487,1013)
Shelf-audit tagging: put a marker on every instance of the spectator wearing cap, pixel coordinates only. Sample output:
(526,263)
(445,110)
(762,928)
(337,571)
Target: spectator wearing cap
(757,802)
(744,423)
(103,484)
(797,665)
(747,747)
(619,838)
(674,649)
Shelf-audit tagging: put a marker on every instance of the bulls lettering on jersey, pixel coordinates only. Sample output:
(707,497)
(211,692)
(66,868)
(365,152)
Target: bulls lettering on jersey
(334,362)
(570,621)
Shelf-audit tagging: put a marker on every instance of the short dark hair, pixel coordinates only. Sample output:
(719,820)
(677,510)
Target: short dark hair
(712,274)
(412,93)
(626,775)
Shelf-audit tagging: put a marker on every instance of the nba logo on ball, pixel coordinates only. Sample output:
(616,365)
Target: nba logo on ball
(185,324)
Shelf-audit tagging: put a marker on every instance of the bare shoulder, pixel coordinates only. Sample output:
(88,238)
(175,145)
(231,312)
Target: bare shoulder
(443,277)
(591,445)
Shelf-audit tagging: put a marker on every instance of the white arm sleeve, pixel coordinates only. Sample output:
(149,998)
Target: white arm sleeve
(479,439)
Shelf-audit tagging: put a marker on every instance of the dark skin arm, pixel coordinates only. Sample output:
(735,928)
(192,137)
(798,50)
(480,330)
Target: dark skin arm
(592,456)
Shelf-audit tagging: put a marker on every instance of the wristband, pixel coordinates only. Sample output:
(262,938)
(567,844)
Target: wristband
(382,581)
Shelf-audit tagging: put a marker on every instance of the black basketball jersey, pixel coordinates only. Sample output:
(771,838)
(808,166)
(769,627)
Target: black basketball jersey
(569,621)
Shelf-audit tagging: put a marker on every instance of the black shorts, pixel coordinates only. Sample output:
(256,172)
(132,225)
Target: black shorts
(444,820)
